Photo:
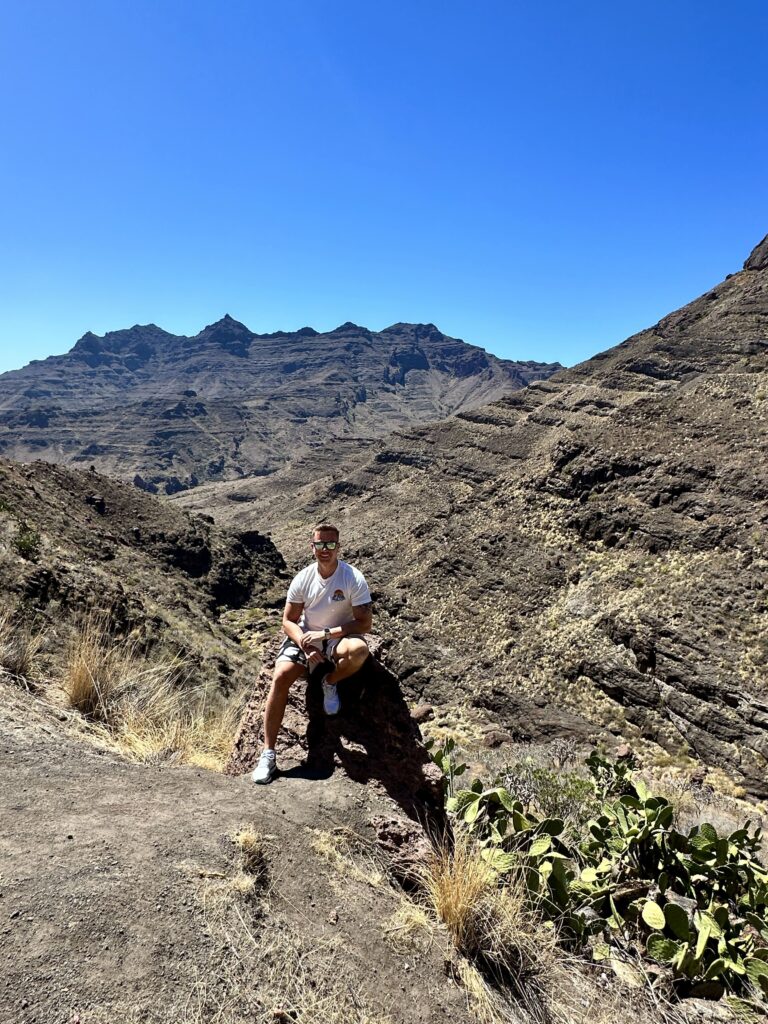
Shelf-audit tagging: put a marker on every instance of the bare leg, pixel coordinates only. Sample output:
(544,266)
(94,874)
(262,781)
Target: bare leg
(350,656)
(285,675)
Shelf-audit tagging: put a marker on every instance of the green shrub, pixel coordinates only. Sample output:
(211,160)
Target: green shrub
(555,794)
(696,901)
(27,543)
(443,758)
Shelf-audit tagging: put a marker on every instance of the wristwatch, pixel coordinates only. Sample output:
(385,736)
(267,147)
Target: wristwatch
(327,632)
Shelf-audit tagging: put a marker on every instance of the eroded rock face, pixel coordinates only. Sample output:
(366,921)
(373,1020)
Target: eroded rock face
(587,557)
(172,412)
(407,846)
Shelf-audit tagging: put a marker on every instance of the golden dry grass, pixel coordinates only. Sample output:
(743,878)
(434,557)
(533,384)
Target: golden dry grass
(348,854)
(146,708)
(457,881)
(252,852)
(493,930)
(487,1004)
(227,894)
(410,929)
(19,647)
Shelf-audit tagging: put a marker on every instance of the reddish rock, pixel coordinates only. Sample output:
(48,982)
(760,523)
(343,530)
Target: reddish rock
(373,739)
(407,847)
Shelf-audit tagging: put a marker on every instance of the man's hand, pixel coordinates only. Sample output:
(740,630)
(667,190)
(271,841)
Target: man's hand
(307,643)
(312,636)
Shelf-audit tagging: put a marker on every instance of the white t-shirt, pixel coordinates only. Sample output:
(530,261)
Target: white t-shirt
(328,602)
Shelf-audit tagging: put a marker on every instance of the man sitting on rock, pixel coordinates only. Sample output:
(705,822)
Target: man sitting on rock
(327,612)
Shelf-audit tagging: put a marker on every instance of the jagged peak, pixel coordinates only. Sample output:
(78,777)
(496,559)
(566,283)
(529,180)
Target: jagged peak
(758,258)
(420,330)
(349,326)
(227,323)
(126,335)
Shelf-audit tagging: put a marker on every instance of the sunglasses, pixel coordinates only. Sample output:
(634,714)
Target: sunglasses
(328,545)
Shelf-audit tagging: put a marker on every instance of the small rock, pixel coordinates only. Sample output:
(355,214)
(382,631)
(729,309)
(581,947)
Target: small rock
(98,502)
(423,713)
(495,738)
(333,917)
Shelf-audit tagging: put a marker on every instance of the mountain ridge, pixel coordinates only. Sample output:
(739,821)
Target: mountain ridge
(170,411)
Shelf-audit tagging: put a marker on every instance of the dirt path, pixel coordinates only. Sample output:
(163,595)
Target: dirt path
(100,885)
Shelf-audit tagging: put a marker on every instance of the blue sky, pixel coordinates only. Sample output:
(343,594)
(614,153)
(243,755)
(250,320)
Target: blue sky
(542,180)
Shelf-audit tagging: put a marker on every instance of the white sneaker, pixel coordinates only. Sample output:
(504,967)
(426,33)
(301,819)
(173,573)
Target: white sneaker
(331,703)
(266,769)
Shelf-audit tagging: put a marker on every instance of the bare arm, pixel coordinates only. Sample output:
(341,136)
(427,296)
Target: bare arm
(363,620)
(361,623)
(291,616)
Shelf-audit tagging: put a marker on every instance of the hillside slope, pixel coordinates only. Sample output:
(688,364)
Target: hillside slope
(75,543)
(168,412)
(586,557)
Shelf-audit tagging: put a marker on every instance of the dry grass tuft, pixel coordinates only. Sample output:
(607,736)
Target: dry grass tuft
(492,927)
(488,1005)
(18,647)
(253,857)
(227,894)
(349,854)
(94,671)
(144,707)
(457,881)
(410,929)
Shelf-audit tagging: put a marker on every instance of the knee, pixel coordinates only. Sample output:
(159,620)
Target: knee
(283,677)
(357,651)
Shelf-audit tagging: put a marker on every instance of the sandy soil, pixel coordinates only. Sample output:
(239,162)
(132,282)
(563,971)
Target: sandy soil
(102,866)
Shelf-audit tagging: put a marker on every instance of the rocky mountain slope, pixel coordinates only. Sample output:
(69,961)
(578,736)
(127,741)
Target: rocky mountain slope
(168,412)
(585,557)
(74,542)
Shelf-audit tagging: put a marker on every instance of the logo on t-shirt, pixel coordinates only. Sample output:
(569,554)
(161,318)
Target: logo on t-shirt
(338,595)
